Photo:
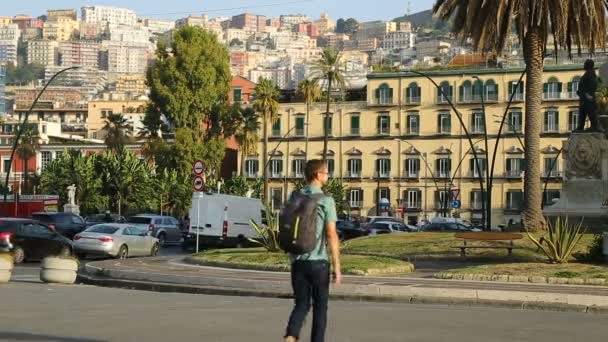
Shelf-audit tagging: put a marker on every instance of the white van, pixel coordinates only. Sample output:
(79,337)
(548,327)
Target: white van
(222,220)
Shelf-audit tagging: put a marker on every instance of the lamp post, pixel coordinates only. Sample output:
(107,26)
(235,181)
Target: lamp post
(22,128)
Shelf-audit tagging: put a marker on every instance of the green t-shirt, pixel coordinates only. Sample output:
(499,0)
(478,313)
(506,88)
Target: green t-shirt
(326,212)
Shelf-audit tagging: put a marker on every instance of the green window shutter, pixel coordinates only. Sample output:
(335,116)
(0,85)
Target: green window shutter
(276,126)
(379,124)
(407,165)
(417,165)
(557,119)
(569,87)
(388,165)
(449,169)
(377,93)
(545,87)
(354,123)
(495,89)
(461,92)
(559,87)
(299,123)
(522,164)
(449,123)
(509,164)
(437,165)
(388,124)
(390,92)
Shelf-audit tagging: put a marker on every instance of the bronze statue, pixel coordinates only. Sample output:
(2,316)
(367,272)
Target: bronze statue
(587,87)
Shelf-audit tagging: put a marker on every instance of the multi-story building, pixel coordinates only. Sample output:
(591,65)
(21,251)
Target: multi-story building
(90,80)
(324,24)
(42,51)
(122,33)
(125,57)
(131,85)
(108,15)
(89,30)
(399,40)
(249,22)
(280,75)
(405,144)
(309,29)
(336,40)
(25,22)
(2,90)
(62,13)
(31,33)
(79,53)
(375,29)
(9,38)
(238,62)
(5,20)
(100,109)
(157,26)
(289,20)
(9,32)
(236,33)
(241,90)
(60,28)
(431,48)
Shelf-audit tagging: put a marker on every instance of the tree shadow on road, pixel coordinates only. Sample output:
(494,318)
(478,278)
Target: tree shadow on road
(20,336)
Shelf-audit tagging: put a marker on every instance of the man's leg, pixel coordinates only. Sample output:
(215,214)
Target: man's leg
(320,296)
(582,116)
(301,293)
(592,113)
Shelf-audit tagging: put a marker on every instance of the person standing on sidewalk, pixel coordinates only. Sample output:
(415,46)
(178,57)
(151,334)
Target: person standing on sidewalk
(310,275)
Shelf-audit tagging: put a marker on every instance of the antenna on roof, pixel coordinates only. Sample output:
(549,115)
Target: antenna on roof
(409,12)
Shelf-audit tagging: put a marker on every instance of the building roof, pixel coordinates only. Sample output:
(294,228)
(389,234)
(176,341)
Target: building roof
(468,60)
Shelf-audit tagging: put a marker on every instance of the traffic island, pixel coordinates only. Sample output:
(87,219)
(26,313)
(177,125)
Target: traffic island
(262,260)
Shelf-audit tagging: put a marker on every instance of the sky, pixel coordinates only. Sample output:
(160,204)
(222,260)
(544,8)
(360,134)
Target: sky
(362,10)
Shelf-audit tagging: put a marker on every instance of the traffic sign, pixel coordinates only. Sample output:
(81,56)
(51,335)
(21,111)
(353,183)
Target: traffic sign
(455,194)
(198,184)
(455,204)
(198,167)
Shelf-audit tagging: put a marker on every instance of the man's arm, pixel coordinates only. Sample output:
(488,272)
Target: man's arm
(334,247)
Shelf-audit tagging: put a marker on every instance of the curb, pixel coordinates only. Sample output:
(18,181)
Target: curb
(521,279)
(430,257)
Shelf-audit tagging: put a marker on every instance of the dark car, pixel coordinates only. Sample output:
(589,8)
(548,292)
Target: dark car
(28,239)
(350,230)
(103,218)
(66,224)
(447,227)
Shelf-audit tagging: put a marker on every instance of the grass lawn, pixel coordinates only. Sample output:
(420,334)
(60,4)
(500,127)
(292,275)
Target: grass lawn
(437,245)
(351,264)
(570,270)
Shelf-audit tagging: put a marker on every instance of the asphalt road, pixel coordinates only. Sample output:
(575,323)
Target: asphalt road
(41,312)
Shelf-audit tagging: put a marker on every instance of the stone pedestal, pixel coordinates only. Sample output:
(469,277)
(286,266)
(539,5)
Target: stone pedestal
(585,182)
(71,208)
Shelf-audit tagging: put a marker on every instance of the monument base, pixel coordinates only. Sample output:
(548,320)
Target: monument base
(71,208)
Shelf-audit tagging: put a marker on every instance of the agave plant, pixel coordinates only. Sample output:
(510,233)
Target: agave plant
(269,233)
(560,240)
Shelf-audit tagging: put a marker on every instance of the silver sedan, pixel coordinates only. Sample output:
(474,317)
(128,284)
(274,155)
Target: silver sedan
(115,240)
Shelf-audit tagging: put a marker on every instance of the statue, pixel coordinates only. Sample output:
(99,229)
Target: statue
(72,194)
(587,101)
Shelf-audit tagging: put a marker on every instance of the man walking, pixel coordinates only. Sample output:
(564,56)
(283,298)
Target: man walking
(310,272)
(586,92)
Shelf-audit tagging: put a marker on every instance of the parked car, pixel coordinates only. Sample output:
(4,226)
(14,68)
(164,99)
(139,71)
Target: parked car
(448,227)
(116,240)
(103,218)
(349,230)
(165,228)
(372,219)
(66,224)
(29,239)
(386,227)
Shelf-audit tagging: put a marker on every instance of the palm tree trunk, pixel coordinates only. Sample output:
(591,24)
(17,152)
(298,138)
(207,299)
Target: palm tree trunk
(533,54)
(307,121)
(25,176)
(243,160)
(325,130)
(265,160)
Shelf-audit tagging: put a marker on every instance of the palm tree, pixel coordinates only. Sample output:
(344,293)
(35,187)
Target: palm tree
(247,134)
(579,23)
(118,132)
(266,96)
(311,92)
(28,146)
(329,68)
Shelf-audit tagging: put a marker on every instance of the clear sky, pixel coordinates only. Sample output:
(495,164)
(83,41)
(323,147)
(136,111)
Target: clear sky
(172,9)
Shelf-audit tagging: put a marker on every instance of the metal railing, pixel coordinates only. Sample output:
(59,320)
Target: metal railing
(409,100)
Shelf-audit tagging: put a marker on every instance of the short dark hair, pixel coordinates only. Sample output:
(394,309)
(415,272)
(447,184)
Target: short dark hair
(313,167)
(589,65)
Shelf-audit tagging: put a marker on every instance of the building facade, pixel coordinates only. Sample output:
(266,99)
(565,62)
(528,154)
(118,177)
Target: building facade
(99,110)
(60,28)
(125,57)
(108,15)
(79,53)
(42,51)
(405,145)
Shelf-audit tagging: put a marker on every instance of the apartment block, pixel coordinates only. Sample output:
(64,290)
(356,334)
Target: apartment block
(25,22)
(42,51)
(375,29)
(99,110)
(131,85)
(61,28)
(406,145)
(79,53)
(125,57)
(106,15)
(62,13)
(399,40)
(324,24)
(90,80)
(249,22)
(122,33)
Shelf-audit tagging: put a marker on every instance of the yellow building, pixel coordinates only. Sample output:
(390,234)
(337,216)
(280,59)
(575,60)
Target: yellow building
(406,143)
(60,28)
(100,109)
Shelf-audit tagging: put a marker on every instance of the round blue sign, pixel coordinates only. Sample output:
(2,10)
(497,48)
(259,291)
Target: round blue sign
(456,204)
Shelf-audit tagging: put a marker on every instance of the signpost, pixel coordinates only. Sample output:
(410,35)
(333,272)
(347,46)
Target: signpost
(455,204)
(198,183)
(198,168)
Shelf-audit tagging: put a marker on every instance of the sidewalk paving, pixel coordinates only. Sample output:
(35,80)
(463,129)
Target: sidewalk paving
(172,274)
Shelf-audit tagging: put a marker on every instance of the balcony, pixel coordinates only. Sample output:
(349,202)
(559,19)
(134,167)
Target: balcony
(443,99)
(555,96)
(355,204)
(514,174)
(476,206)
(353,174)
(412,100)
(442,174)
(417,206)
(382,174)
(383,101)
(411,175)
(518,97)
(251,174)
(476,175)
(297,175)
(478,98)
(355,131)
(275,174)
(477,130)
(552,174)
(299,132)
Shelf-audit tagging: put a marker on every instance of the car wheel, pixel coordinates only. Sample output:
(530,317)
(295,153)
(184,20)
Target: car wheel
(162,239)
(154,250)
(18,255)
(123,252)
(65,251)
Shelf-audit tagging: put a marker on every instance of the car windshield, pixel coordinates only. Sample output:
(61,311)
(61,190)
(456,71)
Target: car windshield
(139,220)
(102,229)
(43,217)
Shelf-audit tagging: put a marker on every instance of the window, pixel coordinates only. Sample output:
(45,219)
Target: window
(384,94)
(413,123)
(43,129)
(58,154)
(276,167)
(466,92)
(384,123)
(551,167)
(572,120)
(331,167)
(276,128)
(491,91)
(444,123)
(355,198)
(276,195)
(442,199)
(6,165)
(383,168)
(514,122)
(551,121)
(516,88)
(385,193)
(45,159)
(354,168)
(413,199)
(515,167)
(478,167)
(297,167)
(355,125)
(328,120)
(104,114)
(550,195)
(299,125)
(443,167)
(237,95)
(515,199)
(477,124)
(476,200)
(412,167)
(573,87)
(552,89)
(445,93)
(252,167)
(413,94)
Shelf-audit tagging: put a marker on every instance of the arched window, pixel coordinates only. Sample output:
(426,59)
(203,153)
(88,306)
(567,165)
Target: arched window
(447,90)
(466,92)
(552,89)
(518,89)
(573,87)
(384,94)
(413,94)
(491,91)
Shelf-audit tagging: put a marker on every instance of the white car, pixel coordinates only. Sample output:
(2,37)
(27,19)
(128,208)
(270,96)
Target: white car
(387,227)
(115,240)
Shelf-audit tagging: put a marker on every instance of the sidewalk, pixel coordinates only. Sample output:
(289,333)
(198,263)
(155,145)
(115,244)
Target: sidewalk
(171,274)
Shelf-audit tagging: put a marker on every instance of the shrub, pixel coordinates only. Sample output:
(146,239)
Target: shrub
(559,241)
(269,233)
(595,251)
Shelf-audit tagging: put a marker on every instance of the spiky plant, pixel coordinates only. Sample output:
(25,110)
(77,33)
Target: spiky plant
(560,240)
